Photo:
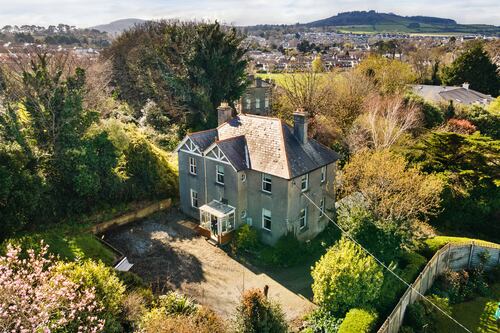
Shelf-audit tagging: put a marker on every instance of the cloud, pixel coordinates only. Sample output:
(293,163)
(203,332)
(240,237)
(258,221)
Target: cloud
(85,13)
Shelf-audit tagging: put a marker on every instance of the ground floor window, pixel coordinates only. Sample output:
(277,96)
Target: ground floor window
(266,219)
(194,199)
(303,218)
(322,207)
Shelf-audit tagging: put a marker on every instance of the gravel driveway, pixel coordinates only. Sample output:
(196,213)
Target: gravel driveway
(169,255)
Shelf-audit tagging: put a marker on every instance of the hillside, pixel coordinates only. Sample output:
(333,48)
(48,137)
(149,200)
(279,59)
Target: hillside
(118,25)
(371,21)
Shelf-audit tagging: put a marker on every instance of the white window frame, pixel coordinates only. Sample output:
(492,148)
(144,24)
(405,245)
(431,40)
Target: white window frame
(266,102)
(218,173)
(248,103)
(266,215)
(192,166)
(303,218)
(322,207)
(266,179)
(323,174)
(257,102)
(194,196)
(304,180)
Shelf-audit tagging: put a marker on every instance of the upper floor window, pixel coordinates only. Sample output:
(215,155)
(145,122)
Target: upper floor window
(194,199)
(266,219)
(266,183)
(257,103)
(303,218)
(219,174)
(248,103)
(322,207)
(266,102)
(304,182)
(323,174)
(192,166)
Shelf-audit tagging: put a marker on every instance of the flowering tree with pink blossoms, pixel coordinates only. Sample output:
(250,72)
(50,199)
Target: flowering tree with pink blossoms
(34,297)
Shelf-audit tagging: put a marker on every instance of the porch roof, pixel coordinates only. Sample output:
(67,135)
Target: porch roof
(217,208)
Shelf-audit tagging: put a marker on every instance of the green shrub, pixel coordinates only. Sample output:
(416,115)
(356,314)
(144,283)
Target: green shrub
(358,321)
(175,304)
(109,289)
(246,239)
(409,266)
(423,314)
(346,277)
(321,320)
(432,245)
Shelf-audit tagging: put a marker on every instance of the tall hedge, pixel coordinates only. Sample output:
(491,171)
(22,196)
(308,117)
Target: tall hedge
(358,321)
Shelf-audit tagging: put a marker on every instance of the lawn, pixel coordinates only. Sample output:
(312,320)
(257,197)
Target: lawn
(477,315)
(69,243)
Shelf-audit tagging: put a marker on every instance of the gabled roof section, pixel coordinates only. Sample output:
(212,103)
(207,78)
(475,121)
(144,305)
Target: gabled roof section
(235,149)
(204,139)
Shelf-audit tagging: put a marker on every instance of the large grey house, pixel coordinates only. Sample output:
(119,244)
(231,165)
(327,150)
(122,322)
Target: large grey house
(459,95)
(254,169)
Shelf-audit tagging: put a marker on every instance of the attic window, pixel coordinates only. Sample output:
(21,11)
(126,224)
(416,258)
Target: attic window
(304,182)
(266,183)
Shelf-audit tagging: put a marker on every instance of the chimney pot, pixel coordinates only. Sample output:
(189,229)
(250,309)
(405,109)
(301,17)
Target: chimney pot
(224,113)
(300,125)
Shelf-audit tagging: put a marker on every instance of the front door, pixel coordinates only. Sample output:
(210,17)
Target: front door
(214,227)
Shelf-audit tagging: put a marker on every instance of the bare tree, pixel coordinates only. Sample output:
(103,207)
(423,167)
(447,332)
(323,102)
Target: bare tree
(307,91)
(384,121)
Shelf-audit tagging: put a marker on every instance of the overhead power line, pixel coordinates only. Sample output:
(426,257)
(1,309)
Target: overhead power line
(344,232)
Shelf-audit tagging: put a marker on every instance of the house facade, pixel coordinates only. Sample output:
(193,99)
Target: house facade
(257,97)
(256,170)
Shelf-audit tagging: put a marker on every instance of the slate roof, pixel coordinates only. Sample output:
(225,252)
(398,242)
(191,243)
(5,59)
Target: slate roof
(447,93)
(266,145)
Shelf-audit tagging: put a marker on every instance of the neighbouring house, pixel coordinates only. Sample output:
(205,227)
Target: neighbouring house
(256,170)
(257,97)
(458,95)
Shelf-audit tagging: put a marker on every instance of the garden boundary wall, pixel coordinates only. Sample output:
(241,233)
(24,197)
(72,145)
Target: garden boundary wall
(132,216)
(452,256)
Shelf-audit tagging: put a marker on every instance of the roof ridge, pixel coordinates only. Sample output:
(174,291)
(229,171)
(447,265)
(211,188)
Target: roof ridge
(282,124)
(231,138)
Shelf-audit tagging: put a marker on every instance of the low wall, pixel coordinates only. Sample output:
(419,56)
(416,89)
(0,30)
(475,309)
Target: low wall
(451,256)
(131,217)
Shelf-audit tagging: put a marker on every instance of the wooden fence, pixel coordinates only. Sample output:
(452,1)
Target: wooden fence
(451,256)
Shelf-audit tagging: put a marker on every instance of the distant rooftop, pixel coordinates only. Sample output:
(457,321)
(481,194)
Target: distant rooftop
(461,95)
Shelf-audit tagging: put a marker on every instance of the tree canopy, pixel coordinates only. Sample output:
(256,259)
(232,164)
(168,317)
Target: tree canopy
(187,69)
(475,67)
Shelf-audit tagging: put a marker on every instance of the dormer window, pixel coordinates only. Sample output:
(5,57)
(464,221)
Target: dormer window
(219,174)
(304,182)
(192,166)
(266,183)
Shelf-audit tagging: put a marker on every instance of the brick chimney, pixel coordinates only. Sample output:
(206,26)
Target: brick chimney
(224,113)
(300,125)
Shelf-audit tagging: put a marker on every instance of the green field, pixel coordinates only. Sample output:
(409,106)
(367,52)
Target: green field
(280,78)
(477,315)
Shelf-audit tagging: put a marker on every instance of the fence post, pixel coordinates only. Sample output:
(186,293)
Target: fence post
(470,254)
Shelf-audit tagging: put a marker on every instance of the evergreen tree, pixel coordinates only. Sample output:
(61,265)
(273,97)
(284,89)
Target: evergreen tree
(474,67)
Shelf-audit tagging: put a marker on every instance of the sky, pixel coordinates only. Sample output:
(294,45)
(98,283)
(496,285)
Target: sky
(86,13)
